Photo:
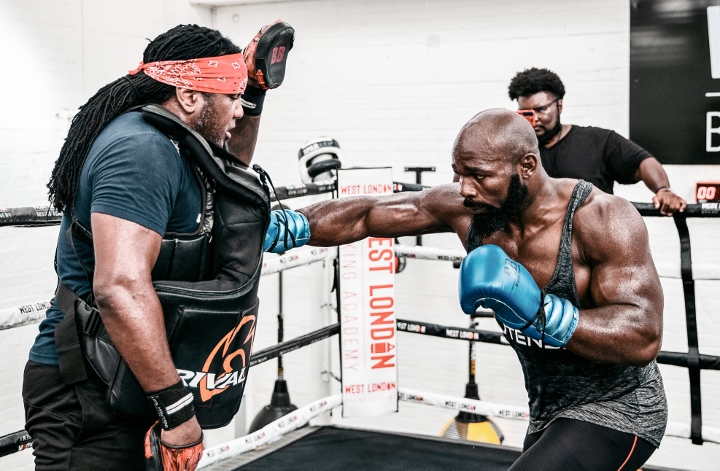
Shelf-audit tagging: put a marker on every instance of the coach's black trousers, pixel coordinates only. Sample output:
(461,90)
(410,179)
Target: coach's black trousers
(73,428)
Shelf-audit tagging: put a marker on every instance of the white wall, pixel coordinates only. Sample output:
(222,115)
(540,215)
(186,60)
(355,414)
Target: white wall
(392,81)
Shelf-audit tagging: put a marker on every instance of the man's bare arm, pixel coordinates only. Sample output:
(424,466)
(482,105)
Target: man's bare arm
(244,138)
(125,254)
(626,325)
(346,220)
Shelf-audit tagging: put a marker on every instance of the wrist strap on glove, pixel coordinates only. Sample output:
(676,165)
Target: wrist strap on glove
(541,316)
(252,101)
(163,457)
(174,405)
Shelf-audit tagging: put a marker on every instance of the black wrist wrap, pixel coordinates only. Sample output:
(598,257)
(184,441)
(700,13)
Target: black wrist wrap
(174,405)
(253,100)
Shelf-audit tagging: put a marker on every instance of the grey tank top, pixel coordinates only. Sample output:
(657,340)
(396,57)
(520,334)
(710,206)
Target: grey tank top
(561,384)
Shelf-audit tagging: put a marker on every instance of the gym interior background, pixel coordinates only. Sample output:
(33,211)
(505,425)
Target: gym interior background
(393,81)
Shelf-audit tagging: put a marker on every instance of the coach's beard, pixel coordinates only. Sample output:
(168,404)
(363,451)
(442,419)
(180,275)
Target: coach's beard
(548,135)
(494,219)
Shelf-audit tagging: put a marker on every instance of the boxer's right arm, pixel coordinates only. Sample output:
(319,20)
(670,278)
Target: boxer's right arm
(346,220)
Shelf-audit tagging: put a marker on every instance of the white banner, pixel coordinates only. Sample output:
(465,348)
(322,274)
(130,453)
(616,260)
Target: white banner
(367,309)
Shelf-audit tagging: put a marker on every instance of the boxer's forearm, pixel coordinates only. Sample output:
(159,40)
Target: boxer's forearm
(339,221)
(350,219)
(622,334)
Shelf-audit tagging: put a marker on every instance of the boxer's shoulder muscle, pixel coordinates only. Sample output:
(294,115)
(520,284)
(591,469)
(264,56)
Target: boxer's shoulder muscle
(608,226)
(445,204)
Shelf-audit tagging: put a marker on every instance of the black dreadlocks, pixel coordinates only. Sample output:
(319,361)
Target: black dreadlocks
(180,43)
(532,81)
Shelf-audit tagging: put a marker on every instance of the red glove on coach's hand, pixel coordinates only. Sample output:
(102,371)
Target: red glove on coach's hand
(266,55)
(163,457)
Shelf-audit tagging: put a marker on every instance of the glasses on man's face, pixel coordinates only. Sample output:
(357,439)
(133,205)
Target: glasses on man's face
(544,108)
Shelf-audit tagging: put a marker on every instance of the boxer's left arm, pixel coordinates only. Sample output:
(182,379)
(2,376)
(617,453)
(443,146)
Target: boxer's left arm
(345,220)
(625,324)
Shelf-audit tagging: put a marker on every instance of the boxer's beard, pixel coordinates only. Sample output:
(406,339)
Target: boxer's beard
(495,219)
(550,133)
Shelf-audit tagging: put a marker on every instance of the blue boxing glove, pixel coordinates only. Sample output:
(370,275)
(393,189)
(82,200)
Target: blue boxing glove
(288,230)
(491,279)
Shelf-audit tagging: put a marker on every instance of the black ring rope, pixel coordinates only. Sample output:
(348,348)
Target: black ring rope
(44,216)
(294,344)
(14,442)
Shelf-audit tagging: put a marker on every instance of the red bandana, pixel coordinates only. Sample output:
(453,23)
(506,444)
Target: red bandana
(223,74)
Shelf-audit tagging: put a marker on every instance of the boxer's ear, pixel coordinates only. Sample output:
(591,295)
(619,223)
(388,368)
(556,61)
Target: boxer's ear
(528,165)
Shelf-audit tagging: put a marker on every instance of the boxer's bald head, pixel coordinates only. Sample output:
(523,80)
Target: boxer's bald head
(497,134)
(496,156)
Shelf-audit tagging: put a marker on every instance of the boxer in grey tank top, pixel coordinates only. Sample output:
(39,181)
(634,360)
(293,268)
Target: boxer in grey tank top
(596,400)
(561,384)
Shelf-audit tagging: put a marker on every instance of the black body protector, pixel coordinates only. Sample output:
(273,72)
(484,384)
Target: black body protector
(207,283)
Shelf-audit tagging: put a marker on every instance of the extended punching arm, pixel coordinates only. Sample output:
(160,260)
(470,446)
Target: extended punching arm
(491,279)
(345,220)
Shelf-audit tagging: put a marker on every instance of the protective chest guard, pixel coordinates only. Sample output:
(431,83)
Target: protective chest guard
(207,283)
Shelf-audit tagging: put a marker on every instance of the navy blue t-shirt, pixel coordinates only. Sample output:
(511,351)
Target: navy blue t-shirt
(133,172)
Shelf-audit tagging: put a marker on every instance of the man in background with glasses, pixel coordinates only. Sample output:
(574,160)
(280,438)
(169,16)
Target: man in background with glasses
(599,156)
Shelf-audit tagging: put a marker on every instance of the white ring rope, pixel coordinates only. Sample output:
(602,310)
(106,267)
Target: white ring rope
(35,312)
(294,259)
(271,432)
(489,409)
(23,315)
(429,253)
(274,430)
(473,406)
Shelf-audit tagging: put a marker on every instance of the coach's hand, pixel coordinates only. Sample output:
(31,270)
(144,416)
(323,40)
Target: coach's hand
(179,449)
(491,279)
(266,55)
(668,202)
(288,229)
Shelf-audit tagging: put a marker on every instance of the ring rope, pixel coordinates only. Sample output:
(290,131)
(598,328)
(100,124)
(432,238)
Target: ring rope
(45,215)
(300,417)
(35,312)
(271,432)
(14,442)
(291,345)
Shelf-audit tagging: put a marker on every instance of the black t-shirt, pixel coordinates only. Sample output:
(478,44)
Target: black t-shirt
(596,155)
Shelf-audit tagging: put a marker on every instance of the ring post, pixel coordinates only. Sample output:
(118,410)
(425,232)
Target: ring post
(368,336)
